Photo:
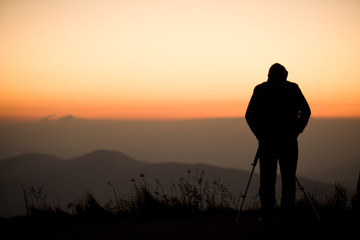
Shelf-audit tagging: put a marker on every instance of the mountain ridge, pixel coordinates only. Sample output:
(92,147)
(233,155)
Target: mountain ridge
(26,165)
(29,155)
(112,155)
(101,156)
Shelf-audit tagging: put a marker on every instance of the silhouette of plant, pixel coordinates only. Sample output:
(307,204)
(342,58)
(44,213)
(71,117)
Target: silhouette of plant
(355,200)
(193,194)
(339,198)
(117,205)
(35,201)
(87,206)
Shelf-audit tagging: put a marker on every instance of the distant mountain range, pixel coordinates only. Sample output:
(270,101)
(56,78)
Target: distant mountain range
(66,180)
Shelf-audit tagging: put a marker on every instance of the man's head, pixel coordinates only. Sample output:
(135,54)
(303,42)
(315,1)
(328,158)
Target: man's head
(277,73)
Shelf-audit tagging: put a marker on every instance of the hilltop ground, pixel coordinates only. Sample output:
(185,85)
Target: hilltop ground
(199,227)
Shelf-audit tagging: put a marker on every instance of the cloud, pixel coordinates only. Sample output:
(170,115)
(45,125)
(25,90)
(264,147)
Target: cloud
(49,117)
(67,118)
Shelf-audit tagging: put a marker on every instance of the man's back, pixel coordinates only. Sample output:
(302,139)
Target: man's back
(277,110)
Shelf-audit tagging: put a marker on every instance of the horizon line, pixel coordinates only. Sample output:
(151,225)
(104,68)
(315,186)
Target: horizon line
(70,117)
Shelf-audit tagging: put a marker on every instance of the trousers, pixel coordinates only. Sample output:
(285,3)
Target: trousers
(272,152)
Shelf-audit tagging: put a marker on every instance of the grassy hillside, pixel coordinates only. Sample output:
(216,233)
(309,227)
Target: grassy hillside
(66,180)
(199,210)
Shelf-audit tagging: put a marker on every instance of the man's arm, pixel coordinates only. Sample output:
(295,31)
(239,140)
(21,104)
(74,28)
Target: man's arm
(251,115)
(304,112)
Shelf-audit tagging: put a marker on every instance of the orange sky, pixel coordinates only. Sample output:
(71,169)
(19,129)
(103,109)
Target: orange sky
(174,59)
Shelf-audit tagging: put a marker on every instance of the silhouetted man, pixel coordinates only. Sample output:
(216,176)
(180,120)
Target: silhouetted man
(277,114)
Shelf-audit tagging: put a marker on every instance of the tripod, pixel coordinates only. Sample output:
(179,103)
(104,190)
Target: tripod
(301,188)
(248,184)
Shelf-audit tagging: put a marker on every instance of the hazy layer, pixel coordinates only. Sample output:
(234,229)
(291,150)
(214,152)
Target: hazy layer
(329,148)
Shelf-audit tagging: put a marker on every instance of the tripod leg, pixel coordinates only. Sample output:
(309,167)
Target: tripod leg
(308,199)
(244,196)
(248,184)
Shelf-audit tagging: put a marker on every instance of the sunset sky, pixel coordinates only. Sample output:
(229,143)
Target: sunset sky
(164,59)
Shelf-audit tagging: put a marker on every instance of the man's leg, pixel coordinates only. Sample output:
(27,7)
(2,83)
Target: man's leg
(288,163)
(268,164)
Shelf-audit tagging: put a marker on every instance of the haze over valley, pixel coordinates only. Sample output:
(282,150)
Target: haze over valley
(328,147)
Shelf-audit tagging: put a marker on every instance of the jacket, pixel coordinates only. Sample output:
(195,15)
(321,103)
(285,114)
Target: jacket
(277,111)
